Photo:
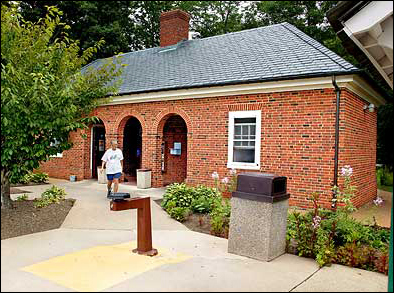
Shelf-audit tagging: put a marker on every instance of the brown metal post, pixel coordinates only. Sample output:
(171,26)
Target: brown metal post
(144,226)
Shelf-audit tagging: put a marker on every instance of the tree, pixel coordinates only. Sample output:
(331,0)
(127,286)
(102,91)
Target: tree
(90,21)
(44,93)
(385,129)
(146,22)
(211,18)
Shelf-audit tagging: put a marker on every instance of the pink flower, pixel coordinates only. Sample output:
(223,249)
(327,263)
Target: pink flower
(215,175)
(233,172)
(225,180)
(316,222)
(378,201)
(347,171)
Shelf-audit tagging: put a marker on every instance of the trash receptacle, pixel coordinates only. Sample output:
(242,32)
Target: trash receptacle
(102,176)
(144,178)
(258,220)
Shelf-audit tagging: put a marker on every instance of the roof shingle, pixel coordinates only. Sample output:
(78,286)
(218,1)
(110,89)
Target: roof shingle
(273,52)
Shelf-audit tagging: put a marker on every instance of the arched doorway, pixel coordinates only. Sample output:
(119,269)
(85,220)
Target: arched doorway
(98,146)
(132,149)
(174,150)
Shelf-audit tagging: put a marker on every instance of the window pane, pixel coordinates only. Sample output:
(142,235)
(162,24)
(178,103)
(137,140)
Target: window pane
(245,143)
(252,143)
(245,130)
(245,137)
(237,137)
(237,143)
(252,130)
(243,155)
(237,130)
(244,120)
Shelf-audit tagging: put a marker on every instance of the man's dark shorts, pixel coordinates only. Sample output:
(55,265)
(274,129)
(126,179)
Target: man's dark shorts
(114,176)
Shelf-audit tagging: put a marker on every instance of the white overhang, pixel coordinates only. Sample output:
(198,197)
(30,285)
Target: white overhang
(371,29)
(352,82)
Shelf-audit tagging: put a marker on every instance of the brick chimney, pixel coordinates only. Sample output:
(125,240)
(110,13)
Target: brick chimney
(174,27)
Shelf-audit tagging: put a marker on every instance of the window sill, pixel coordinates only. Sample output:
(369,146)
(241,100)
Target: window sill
(243,166)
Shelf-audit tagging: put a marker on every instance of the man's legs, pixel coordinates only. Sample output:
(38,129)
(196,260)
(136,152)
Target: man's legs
(109,184)
(116,184)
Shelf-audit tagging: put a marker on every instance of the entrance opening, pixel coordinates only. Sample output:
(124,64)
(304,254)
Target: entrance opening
(98,146)
(174,150)
(132,149)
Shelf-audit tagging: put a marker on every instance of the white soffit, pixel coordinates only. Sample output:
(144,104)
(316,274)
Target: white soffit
(371,29)
(352,82)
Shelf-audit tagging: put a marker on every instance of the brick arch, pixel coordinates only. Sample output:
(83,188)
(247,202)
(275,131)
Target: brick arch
(122,119)
(158,125)
(106,124)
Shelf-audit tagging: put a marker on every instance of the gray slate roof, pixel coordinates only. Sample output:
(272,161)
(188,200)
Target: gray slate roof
(273,52)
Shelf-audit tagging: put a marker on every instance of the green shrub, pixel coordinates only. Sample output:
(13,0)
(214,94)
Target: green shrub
(22,197)
(179,213)
(34,177)
(39,177)
(49,196)
(206,192)
(220,217)
(384,176)
(340,240)
(179,193)
(201,205)
(199,198)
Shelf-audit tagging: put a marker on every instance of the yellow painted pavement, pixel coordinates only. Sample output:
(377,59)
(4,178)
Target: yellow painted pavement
(100,267)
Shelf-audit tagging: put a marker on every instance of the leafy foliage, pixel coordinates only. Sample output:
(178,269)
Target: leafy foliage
(335,237)
(220,217)
(179,213)
(180,200)
(178,193)
(385,128)
(22,197)
(384,176)
(44,93)
(52,195)
(196,198)
(38,177)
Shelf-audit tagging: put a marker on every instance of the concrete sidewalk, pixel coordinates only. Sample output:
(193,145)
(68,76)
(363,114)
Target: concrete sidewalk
(91,252)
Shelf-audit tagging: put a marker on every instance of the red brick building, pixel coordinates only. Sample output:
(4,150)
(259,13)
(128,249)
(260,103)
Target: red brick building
(260,99)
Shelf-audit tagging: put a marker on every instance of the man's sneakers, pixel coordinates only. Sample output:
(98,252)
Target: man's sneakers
(109,192)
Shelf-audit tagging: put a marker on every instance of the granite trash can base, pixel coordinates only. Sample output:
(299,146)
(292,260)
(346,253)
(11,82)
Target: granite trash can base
(258,229)
(144,178)
(102,177)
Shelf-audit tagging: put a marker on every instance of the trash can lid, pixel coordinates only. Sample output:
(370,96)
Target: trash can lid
(143,170)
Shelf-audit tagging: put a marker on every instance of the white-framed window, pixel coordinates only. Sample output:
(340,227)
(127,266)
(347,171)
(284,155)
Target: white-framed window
(244,140)
(58,155)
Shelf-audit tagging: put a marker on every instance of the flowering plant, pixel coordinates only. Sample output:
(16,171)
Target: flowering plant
(226,183)
(344,196)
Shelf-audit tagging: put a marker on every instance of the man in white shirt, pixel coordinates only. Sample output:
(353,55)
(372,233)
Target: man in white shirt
(113,158)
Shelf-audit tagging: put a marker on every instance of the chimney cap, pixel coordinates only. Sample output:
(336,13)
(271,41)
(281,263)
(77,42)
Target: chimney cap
(175,13)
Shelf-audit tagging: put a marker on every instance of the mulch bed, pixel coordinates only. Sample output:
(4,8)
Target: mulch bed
(196,222)
(28,184)
(24,218)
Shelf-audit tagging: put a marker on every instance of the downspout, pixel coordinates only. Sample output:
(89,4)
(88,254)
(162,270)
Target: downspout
(338,95)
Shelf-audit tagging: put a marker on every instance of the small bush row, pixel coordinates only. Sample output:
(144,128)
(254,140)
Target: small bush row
(181,200)
(188,199)
(34,177)
(52,195)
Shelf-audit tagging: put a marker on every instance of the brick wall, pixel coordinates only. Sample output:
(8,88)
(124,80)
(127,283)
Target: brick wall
(358,136)
(73,162)
(297,139)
